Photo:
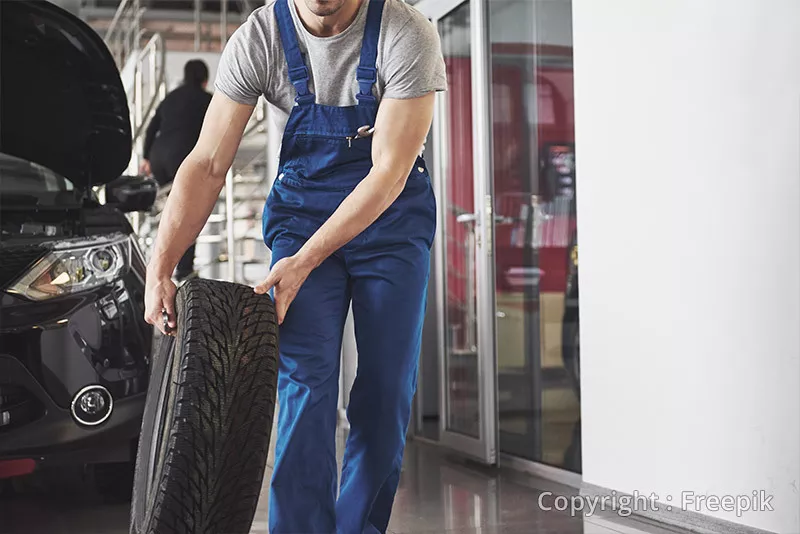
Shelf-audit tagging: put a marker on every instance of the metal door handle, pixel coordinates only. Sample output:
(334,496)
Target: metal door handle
(500,219)
(465,218)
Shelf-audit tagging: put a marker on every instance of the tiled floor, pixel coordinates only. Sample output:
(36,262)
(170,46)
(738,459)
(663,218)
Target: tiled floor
(438,494)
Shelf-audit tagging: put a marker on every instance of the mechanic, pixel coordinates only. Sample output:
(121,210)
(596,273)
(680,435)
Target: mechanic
(350,219)
(171,135)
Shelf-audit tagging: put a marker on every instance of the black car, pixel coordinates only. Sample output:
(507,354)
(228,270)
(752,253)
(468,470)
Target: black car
(74,348)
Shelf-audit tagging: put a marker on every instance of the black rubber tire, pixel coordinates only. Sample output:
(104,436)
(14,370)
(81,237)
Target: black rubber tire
(208,416)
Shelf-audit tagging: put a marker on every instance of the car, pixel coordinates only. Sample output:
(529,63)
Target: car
(74,346)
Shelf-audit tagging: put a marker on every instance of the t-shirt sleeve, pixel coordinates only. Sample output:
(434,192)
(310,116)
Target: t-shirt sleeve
(413,64)
(242,72)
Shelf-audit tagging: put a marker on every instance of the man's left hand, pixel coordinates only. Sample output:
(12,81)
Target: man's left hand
(145,169)
(286,276)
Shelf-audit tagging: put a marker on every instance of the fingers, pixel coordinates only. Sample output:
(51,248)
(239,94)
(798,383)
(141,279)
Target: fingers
(168,306)
(168,323)
(281,306)
(270,281)
(160,307)
(286,281)
(154,318)
(283,300)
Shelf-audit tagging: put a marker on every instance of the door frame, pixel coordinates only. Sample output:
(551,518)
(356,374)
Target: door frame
(485,447)
(437,9)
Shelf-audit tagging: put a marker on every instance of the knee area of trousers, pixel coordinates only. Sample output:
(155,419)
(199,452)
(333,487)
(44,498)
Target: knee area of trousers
(390,400)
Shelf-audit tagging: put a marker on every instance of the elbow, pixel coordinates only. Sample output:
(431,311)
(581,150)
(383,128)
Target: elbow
(393,173)
(206,168)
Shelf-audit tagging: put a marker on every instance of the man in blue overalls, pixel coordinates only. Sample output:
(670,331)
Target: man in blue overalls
(350,220)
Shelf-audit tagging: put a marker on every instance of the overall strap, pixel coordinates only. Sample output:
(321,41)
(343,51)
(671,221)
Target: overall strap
(298,71)
(367,72)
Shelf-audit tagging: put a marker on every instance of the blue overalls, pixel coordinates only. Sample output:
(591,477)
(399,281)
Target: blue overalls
(383,272)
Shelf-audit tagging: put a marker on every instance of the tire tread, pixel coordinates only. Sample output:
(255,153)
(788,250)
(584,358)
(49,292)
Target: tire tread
(226,381)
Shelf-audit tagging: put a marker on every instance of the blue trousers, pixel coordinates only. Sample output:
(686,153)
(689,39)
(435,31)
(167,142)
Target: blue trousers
(386,281)
(383,272)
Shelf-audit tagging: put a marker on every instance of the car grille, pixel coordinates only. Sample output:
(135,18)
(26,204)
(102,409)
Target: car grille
(17,407)
(15,260)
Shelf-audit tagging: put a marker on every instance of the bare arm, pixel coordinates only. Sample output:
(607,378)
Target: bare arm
(194,192)
(400,131)
(198,182)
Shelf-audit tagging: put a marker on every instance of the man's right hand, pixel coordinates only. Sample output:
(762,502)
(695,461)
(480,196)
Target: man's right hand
(159,295)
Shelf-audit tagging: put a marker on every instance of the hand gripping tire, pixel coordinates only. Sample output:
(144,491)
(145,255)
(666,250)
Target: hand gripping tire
(208,416)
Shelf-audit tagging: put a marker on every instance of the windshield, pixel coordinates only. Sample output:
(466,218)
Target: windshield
(20,176)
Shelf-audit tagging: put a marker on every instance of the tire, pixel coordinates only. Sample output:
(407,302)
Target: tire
(208,415)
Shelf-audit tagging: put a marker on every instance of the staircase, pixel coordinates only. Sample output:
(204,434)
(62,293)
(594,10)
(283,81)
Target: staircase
(230,245)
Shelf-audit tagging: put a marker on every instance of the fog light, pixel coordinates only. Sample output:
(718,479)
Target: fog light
(92,405)
(92,402)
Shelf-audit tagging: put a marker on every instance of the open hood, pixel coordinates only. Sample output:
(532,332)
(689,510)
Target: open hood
(62,104)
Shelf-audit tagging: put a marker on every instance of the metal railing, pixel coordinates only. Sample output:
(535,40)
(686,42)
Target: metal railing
(149,89)
(123,38)
(231,227)
(124,31)
(234,227)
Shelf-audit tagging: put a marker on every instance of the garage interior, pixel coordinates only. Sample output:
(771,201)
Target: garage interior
(688,227)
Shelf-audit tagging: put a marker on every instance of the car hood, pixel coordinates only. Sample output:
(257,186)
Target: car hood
(62,102)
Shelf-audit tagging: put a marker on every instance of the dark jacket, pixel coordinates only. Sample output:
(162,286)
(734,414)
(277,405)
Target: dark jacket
(174,130)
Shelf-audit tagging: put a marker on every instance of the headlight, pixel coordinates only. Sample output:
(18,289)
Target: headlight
(76,266)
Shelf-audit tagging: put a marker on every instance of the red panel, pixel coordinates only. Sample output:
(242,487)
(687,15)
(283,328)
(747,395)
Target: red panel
(512,166)
(16,468)
(460,189)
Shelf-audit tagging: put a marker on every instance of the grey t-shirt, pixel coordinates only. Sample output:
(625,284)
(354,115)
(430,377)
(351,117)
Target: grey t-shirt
(410,62)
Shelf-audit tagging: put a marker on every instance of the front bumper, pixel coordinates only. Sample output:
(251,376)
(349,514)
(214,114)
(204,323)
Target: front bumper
(51,350)
(56,438)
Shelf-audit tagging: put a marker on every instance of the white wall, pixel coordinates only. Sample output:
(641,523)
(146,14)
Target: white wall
(176,60)
(688,139)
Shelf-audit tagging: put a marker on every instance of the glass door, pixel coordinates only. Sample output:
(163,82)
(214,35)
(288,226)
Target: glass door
(538,360)
(464,247)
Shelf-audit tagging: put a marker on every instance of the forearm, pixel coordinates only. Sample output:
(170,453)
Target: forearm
(373,195)
(194,193)
(400,128)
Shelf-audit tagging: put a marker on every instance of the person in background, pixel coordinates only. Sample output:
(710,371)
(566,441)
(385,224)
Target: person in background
(173,133)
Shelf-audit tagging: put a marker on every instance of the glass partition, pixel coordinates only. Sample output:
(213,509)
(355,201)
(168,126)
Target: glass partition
(535,230)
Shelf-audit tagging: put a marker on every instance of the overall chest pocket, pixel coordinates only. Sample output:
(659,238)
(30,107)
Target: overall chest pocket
(327,162)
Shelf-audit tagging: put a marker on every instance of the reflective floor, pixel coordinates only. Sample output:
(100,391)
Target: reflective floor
(438,494)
